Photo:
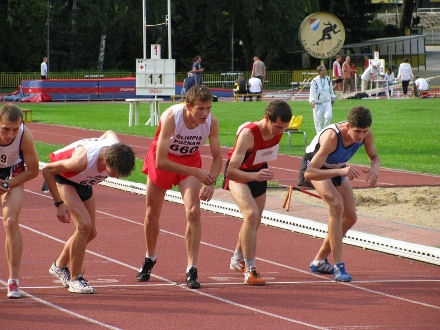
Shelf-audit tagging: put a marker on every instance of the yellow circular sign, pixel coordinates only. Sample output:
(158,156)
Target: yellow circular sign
(322,35)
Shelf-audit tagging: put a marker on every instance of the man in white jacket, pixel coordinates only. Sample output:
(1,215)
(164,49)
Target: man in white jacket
(321,98)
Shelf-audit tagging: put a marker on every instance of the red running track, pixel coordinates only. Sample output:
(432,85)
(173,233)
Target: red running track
(388,292)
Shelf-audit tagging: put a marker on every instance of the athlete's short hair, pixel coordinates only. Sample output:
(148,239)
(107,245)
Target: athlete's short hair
(278,109)
(121,158)
(360,117)
(11,112)
(198,93)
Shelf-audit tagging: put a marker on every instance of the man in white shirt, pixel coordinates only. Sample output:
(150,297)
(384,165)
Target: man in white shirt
(255,87)
(44,68)
(369,75)
(421,87)
(405,75)
(337,73)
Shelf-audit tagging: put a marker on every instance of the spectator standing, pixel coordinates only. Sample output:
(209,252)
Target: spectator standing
(324,166)
(346,75)
(173,159)
(321,97)
(255,86)
(353,77)
(337,73)
(368,75)
(246,176)
(405,75)
(44,68)
(389,80)
(19,164)
(197,70)
(70,175)
(188,83)
(258,69)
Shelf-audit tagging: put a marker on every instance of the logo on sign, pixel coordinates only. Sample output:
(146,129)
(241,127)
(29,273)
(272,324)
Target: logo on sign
(314,24)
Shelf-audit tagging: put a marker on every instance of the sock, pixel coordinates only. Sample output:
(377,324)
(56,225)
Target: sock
(238,255)
(189,267)
(153,258)
(317,262)
(249,263)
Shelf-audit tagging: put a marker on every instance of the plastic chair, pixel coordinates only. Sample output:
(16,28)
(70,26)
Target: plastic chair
(294,128)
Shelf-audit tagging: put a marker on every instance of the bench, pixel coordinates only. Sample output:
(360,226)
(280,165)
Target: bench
(154,111)
(27,115)
(181,96)
(236,96)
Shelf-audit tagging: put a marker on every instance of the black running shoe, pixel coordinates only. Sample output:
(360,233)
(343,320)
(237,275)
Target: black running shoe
(145,270)
(191,279)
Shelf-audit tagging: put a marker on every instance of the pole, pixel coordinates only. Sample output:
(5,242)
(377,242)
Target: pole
(169,30)
(232,48)
(48,37)
(144,27)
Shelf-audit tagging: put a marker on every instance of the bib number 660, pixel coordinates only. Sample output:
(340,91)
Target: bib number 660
(184,149)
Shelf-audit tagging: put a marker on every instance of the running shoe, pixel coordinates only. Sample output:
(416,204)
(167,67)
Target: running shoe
(324,268)
(340,274)
(61,273)
(252,277)
(144,272)
(13,289)
(80,285)
(44,187)
(237,266)
(191,279)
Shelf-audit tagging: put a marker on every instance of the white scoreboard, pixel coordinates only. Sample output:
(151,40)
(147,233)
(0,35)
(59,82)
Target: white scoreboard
(155,76)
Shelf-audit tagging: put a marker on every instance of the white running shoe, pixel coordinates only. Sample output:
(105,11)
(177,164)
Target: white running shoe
(61,273)
(13,289)
(80,285)
(237,266)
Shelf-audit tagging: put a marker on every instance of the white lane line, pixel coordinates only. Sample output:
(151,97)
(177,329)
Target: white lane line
(351,284)
(184,287)
(63,310)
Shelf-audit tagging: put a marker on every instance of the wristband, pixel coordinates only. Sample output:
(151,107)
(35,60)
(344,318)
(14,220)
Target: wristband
(58,203)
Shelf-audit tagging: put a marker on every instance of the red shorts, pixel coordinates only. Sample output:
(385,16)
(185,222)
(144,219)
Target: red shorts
(165,179)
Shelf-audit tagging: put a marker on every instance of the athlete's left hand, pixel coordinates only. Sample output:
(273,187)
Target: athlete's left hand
(371,177)
(206,192)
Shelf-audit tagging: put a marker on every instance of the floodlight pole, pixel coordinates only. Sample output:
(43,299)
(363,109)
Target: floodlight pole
(144,27)
(48,37)
(169,29)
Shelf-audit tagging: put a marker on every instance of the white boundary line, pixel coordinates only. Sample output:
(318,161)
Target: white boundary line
(229,250)
(64,310)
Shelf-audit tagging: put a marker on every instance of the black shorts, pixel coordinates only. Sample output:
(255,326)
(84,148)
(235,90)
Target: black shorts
(338,80)
(257,188)
(336,180)
(9,172)
(84,192)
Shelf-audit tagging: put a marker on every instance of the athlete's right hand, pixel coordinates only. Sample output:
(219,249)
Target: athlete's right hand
(205,177)
(264,174)
(63,214)
(352,172)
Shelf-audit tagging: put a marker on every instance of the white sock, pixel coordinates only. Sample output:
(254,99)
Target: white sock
(317,262)
(153,258)
(249,263)
(189,267)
